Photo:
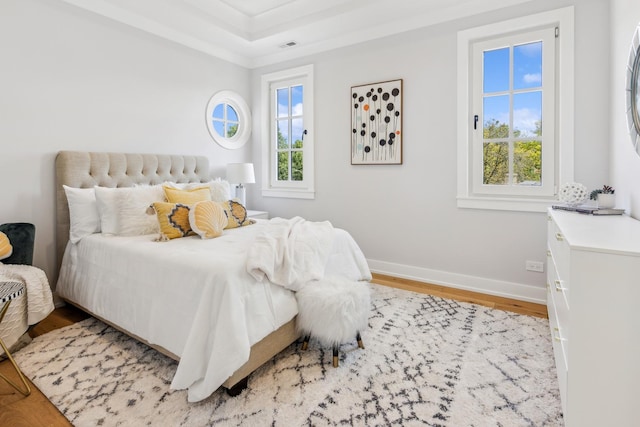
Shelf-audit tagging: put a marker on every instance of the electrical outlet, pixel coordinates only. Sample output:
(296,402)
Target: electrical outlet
(536,266)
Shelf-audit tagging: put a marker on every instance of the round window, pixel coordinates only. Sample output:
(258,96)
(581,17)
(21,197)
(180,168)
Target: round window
(228,119)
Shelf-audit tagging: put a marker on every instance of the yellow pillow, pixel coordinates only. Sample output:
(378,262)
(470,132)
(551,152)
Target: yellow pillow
(187,197)
(5,246)
(207,219)
(173,219)
(236,213)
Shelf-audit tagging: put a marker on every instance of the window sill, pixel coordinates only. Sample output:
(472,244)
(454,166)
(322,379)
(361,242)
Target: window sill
(505,204)
(289,194)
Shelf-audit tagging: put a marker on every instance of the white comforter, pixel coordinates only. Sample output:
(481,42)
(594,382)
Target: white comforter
(191,296)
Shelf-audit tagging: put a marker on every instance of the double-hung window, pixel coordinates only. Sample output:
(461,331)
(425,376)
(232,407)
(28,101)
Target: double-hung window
(512,87)
(288,168)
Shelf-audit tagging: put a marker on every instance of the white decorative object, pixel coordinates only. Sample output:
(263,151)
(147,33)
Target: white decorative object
(573,193)
(241,173)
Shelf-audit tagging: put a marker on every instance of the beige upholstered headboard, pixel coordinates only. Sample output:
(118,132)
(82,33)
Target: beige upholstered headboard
(83,169)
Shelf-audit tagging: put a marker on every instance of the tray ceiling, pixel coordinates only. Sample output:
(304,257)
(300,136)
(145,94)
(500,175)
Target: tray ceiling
(254,33)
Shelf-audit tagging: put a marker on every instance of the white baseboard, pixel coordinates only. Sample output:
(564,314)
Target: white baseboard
(461,281)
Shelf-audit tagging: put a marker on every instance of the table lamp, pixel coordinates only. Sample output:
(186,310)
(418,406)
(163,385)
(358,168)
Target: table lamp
(240,173)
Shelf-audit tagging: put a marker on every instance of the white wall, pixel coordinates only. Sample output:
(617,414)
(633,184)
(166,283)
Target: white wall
(625,163)
(71,80)
(405,217)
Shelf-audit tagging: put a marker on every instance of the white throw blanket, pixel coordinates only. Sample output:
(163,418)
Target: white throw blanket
(39,298)
(293,252)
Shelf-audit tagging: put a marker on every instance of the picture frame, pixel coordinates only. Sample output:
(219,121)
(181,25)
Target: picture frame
(376,123)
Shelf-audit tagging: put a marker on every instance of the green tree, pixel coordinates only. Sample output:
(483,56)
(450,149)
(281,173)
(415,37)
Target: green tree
(296,162)
(294,155)
(527,155)
(495,155)
(232,130)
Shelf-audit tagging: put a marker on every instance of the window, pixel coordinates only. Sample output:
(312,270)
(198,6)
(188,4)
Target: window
(225,120)
(513,99)
(228,119)
(288,167)
(515,90)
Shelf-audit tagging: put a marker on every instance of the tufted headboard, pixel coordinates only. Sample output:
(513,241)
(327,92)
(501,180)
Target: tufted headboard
(83,169)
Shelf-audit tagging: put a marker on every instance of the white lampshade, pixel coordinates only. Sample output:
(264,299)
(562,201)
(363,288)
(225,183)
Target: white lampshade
(240,173)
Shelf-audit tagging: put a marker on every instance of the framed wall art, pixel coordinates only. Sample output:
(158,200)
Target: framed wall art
(376,123)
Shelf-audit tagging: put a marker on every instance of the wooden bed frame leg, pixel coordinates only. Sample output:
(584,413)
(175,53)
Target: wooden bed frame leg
(305,342)
(237,389)
(359,339)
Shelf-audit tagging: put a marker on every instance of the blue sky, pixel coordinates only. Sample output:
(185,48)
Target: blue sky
(297,124)
(221,123)
(527,76)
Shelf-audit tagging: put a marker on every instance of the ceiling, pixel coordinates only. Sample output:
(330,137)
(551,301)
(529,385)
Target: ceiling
(254,33)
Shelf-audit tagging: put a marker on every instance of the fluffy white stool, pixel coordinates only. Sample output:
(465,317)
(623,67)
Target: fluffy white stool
(333,310)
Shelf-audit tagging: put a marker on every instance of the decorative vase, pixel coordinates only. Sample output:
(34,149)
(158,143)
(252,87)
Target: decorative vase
(572,193)
(606,201)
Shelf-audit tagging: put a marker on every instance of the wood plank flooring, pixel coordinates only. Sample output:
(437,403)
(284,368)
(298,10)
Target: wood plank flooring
(500,303)
(35,410)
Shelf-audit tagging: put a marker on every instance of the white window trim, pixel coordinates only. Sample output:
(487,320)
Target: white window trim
(306,188)
(564,19)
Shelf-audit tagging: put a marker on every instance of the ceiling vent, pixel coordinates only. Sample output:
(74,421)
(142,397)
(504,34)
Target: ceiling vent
(289,44)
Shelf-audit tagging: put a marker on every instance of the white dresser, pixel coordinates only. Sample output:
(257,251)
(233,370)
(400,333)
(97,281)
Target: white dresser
(593,300)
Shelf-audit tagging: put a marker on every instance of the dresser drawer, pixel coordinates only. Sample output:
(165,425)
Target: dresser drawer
(558,298)
(560,347)
(560,250)
(559,287)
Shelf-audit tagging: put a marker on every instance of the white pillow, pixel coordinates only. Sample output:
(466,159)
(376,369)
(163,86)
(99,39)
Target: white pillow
(220,190)
(84,218)
(123,211)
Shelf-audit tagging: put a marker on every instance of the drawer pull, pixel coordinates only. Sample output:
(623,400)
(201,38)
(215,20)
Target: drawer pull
(556,335)
(559,237)
(548,286)
(559,286)
(548,252)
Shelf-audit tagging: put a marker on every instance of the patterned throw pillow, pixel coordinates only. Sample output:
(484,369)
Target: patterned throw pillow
(208,219)
(5,246)
(236,213)
(187,197)
(173,219)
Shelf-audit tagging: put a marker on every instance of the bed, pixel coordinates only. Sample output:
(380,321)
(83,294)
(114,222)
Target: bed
(192,299)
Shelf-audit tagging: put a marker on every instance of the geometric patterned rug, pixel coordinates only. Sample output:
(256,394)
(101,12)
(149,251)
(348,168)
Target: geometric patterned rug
(427,361)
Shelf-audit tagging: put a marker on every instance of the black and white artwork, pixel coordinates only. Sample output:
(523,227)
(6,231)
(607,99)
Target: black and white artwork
(376,123)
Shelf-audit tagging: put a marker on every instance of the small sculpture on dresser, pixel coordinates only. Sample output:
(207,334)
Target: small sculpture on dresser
(572,193)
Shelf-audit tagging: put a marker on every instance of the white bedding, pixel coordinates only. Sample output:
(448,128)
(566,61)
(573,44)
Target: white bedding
(293,252)
(191,296)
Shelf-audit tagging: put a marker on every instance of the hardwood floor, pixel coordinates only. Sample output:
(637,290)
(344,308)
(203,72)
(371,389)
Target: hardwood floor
(500,303)
(35,410)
